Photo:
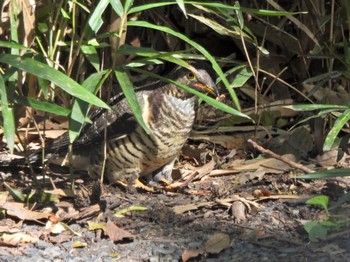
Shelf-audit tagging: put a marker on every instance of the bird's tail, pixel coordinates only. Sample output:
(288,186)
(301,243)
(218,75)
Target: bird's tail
(10,160)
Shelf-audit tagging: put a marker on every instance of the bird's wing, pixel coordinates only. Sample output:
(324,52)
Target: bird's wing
(119,121)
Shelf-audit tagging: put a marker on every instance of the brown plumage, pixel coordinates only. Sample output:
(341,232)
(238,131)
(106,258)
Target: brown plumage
(169,113)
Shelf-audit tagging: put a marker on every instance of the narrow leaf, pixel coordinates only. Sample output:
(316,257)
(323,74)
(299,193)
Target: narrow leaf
(204,97)
(95,20)
(181,4)
(41,105)
(91,54)
(8,116)
(311,107)
(13,45)
(324,174)
(130,96)
(117,7)
(81,108)
(198,47)
(333,133)
(58,78)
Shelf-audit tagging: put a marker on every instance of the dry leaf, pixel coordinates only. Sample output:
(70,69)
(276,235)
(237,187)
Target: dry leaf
(9,229)
(17,239)
(184,208)
(216,243)
(94,226)
(61,192)
(59,228)
(79,244)
(3,197)
(20,211)
(116,233)
(85,212)
(191,253)
(56,228)
(238,211)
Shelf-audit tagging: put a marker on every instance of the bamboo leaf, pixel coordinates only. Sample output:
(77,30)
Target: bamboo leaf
(8,116)
(311,107)
(58,78)
(80,108)
(95,20)
(41,105)
(198,47)
(206,98)
(333,133)
(130,95)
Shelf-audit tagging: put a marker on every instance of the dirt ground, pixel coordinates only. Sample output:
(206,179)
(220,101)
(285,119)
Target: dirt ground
(204,218)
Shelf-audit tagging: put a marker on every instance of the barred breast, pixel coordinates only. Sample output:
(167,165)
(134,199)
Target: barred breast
(170,121)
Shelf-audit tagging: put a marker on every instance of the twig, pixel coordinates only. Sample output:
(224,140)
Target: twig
(279,157)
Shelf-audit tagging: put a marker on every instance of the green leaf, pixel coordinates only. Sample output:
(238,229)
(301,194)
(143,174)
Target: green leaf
(128,5)
(130,95)
(315,231)
(217,27)
(311,107)
(244,9)
(80,108)
(204,97)
(239,15)
(8,116)
(13,45)
(58,78)
(198,47)
(319,201)
(152,55)
(16,194)
(323,77)
(95,20)
(92,55)
(242,77)
(324,174)
(41,105)
(319,114)
(141,8)
(215,5)
(117,7)
(333,133)
(122,212)
(64,14)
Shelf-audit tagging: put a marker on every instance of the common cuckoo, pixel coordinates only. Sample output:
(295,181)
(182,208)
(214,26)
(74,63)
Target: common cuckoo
(169,113)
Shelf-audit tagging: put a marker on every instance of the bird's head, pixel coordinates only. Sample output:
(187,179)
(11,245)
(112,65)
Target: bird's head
(198,78)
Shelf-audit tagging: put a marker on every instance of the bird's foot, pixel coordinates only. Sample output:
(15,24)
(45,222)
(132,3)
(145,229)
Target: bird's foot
(138,184)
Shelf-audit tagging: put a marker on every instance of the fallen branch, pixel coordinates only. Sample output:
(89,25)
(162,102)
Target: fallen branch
(279,157)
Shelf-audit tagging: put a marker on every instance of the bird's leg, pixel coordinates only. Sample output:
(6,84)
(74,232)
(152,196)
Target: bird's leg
(129,178)
(162,174)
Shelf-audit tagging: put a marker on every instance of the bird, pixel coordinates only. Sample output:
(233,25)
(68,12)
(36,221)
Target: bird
(130,152)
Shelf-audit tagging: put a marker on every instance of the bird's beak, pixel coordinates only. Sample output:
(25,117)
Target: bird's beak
(212,90)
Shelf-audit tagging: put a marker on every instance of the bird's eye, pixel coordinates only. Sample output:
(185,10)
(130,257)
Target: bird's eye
(191,77)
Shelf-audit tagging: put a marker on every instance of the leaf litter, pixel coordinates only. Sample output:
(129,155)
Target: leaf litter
(224,203)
